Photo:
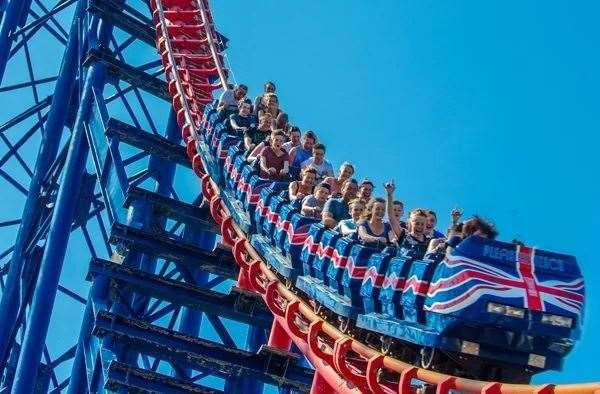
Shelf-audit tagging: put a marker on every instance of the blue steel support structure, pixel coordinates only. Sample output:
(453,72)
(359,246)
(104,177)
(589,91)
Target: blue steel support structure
(12,17)
(58,235)
(47,153)
(104,190)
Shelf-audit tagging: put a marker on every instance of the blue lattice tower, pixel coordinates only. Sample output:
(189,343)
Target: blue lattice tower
(97,186)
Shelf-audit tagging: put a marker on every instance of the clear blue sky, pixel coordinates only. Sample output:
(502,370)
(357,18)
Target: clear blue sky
(489,105)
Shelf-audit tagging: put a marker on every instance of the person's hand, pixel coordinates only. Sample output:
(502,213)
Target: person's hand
(440,247)
(436,245)
(389,187)
(456,214)
(272,171)
(283,171)
(243,129)
(251,147)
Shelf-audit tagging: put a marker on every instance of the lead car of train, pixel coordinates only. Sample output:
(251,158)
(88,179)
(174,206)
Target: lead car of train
(491,310)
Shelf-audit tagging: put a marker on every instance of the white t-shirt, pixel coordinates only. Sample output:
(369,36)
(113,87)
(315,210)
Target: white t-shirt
(288,146)
(228,98)
(323,170)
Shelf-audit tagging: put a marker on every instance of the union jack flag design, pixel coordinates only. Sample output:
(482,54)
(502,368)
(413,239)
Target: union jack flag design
(460,282)
(295,236)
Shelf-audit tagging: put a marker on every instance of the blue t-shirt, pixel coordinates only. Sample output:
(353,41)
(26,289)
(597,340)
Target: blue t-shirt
(338,208)
(301,156)
(437,234)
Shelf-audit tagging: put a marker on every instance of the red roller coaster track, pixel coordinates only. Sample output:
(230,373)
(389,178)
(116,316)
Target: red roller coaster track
(191,57)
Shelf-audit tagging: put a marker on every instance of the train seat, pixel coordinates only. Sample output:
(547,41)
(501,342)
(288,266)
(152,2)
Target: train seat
(311,248)
(339,259)
(262,209)
(328,297)
(415,290)
(393,286)
(228,169)
(243,185)
(294,229)
(373,281)
(280,263)
(353,275)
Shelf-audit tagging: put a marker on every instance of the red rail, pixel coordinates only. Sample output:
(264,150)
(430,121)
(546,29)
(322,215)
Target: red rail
(190,54)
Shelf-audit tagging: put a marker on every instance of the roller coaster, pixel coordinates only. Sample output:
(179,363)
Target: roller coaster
(311,306)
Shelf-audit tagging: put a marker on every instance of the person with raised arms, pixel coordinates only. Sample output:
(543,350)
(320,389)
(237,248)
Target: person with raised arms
(414,236)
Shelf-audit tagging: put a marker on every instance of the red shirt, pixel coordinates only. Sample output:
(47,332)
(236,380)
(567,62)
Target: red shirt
(274,161)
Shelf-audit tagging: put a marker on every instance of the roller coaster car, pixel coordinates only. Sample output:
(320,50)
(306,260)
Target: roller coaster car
(506,311)
(490,310)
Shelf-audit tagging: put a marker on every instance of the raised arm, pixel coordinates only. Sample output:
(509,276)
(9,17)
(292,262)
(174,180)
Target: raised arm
(394,222)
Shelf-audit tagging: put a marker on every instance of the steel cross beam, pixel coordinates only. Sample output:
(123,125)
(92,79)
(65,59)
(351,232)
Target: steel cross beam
(268,365)
(162,268)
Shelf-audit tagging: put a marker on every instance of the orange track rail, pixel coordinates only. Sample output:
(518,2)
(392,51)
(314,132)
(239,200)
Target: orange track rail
(186,43)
